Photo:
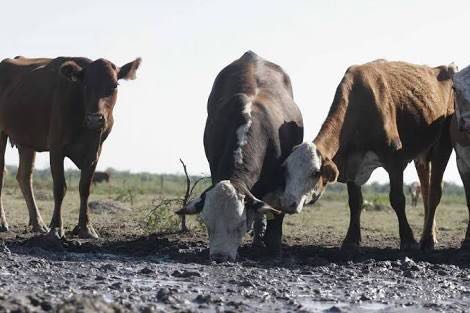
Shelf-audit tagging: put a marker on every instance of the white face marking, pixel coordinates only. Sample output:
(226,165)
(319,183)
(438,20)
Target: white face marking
(368,164)
(463,158)
(242,134)
(225,218)
(302,174)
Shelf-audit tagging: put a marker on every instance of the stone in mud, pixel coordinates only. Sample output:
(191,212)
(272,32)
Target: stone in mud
(89,304)
(146,271)
(185,274)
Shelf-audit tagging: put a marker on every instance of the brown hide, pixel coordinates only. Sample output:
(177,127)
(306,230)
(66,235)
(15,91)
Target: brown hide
(399,112)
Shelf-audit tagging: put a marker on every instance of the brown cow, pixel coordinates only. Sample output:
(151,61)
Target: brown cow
(101,177)
(384,114)
(64,106)
(252,125)
(415,192)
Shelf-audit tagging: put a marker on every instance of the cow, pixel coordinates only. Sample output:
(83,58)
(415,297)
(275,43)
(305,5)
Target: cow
(384,114)
(99,177)
(415,192)
(252,125)
(460,135)
(62,105)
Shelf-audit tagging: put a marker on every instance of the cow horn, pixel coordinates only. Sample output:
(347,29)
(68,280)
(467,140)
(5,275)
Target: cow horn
(260,206)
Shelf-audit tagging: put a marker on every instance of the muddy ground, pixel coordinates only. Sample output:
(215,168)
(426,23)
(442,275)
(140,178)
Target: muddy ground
(132,269)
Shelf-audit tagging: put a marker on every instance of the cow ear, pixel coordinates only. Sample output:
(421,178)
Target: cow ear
(72,71)
(128,71)
(329,171)
(192,207)
(447,72)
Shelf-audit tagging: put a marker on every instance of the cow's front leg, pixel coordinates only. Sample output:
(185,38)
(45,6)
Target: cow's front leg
(259,229)
(352,240)
(273,235)
(60,188)
(84,229)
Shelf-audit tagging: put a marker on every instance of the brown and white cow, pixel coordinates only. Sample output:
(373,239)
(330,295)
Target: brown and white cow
(384,114)
(460,134)
(252,125)
(415,192)
(64,106)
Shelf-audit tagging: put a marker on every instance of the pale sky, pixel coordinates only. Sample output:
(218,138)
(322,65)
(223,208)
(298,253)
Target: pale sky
(160,117)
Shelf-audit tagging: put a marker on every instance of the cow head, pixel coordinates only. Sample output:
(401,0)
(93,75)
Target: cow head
(227,214)
(99,81)
(306,174)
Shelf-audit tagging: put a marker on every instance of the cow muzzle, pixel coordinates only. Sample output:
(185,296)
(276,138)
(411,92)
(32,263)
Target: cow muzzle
(94,121)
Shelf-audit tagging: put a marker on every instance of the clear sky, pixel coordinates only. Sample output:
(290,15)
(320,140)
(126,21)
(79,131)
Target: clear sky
(184,44)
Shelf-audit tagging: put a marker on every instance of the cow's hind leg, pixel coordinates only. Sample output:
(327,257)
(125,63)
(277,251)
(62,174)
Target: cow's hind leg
(25,180)
(465,176)
(85,229)
(398,202)
(259,229)
(3,144)
(353,236)
(439,158)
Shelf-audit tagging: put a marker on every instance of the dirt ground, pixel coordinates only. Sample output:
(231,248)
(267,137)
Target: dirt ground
(132,269)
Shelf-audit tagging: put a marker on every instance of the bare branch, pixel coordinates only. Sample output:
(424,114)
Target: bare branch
(184,227)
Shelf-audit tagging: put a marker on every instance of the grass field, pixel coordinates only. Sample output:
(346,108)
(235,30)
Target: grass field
(138,195)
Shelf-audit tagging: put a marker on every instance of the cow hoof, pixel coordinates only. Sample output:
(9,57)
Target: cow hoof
(56,233)
(427,244)
(87,232)
(258,243)
(465,244)
(351,247)
(4,228)
(41,228)
(409,246)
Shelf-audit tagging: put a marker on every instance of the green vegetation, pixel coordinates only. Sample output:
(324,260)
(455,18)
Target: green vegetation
(149,201)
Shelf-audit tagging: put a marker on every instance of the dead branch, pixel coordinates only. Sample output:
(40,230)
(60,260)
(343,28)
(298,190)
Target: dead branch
(184,227)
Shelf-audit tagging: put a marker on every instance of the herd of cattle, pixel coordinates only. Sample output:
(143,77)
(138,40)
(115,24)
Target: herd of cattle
(384,114)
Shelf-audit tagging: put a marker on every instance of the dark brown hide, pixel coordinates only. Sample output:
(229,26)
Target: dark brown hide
(64,106)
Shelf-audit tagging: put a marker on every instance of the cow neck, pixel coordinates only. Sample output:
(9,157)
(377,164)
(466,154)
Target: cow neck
(328,139)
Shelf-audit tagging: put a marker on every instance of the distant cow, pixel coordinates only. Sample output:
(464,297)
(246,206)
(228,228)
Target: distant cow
(101,177)
(460,135)
(384,114)
(64,106)
(252,126)
(415,192)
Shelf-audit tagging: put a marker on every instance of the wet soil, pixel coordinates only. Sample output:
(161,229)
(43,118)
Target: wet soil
(171,273)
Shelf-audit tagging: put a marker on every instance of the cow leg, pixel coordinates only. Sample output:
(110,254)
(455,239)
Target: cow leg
(464,172)
(273,236)
(424,173)
(25,180)
(259,229)
(356,201)
(3,145)
(398,202)
(84,229)
(60,188)
(440,157)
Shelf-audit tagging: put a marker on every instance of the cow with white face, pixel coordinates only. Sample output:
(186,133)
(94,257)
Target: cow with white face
(252,126)
(306,178)
(460,135)
(384,114)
